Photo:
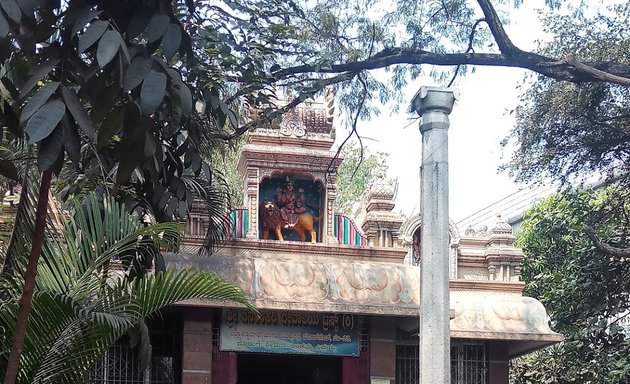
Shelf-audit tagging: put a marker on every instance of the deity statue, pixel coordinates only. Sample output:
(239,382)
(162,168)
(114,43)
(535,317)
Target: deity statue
(290,203)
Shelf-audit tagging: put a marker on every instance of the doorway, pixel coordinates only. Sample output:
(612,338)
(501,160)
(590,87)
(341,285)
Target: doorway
(288,369)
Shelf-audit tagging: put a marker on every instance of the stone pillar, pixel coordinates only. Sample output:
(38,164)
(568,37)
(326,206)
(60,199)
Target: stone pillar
(434,105)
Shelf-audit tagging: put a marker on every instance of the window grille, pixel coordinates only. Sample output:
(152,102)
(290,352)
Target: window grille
(216,327)
(407,364)
(121,364)
(407,357)
(469,360)
(364,334)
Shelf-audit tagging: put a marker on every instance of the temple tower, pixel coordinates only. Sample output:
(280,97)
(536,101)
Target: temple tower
(295,147)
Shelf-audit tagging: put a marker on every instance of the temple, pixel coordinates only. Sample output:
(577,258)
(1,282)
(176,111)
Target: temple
(339,297)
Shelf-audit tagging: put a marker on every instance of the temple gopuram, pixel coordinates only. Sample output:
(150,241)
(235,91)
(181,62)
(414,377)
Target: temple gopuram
(338,296)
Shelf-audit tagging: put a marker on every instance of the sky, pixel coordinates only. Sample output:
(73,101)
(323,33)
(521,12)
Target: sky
(479,121)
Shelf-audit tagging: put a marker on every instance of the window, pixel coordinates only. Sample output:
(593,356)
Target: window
(469,360)
(121,365)
(407,357)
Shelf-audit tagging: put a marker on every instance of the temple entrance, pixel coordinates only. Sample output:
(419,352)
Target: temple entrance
(288,369)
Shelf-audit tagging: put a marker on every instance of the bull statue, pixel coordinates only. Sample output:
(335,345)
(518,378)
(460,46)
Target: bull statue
(301,224)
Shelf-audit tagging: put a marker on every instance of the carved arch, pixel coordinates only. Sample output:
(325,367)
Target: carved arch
(413,225)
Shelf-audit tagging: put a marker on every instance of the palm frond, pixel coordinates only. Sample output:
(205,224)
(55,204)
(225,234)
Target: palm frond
(16,253)
(19,247)
(98,234)
(214,194)
(86,297)
(175,285)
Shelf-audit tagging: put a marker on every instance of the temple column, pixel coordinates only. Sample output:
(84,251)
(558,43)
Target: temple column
(251,184)
(434,105)
(328,235)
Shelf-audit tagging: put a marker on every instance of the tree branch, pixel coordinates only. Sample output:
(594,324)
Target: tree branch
(550,67)
(598,74)
(471,40)
(600,245)
(496,27)
(263,120)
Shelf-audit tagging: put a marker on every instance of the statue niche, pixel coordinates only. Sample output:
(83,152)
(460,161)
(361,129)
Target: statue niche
(289,209)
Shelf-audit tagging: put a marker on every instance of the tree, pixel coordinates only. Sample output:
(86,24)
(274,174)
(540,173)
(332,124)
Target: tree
(568,131)
(136,103)
(92,288)
(575,265)
(357,173)
(121,89)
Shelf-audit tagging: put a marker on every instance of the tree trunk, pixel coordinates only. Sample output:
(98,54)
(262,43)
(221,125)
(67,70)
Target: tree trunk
(29,280)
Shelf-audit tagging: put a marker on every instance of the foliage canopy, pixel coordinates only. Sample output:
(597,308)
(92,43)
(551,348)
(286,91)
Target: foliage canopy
(584,282)
(570,131)
(357,173)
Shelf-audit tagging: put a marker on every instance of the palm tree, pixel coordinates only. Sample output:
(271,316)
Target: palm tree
(92,286)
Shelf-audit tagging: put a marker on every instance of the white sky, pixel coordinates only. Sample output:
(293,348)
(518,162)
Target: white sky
(479,121)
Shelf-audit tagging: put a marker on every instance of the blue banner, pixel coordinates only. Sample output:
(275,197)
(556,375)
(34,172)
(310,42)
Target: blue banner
(290,333)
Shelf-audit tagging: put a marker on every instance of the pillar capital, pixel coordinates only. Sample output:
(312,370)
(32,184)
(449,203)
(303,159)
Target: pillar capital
(434,99)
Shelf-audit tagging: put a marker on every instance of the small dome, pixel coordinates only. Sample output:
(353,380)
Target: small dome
(501,227)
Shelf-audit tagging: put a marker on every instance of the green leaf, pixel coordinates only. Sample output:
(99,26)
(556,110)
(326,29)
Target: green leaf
(181,91)
(104,102)
(83,18)
(78,112)
(132,145)
(123,48)
(149,145)
(28,6)
(182,210)
(9,87)
(71,139)
(144,347)
(49,149)
(138,22)
(129,160)
(44,120)
(171,41)
(92,34)
(108,47)
(4,26)
(157,26)
(10,120)
(37,100)
(37,74)
(110,126)
(12,10)
(171,207)
(136,72)
(152,92)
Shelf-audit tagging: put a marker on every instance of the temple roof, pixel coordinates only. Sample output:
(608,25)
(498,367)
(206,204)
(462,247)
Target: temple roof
(276,280)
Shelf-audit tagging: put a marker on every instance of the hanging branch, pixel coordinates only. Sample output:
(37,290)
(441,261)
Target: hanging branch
(603,247)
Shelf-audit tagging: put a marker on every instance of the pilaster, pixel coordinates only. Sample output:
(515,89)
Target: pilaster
(252,184)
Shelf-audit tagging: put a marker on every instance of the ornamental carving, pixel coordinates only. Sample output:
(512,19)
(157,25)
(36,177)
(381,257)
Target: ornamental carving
(292,125)
(499,314)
